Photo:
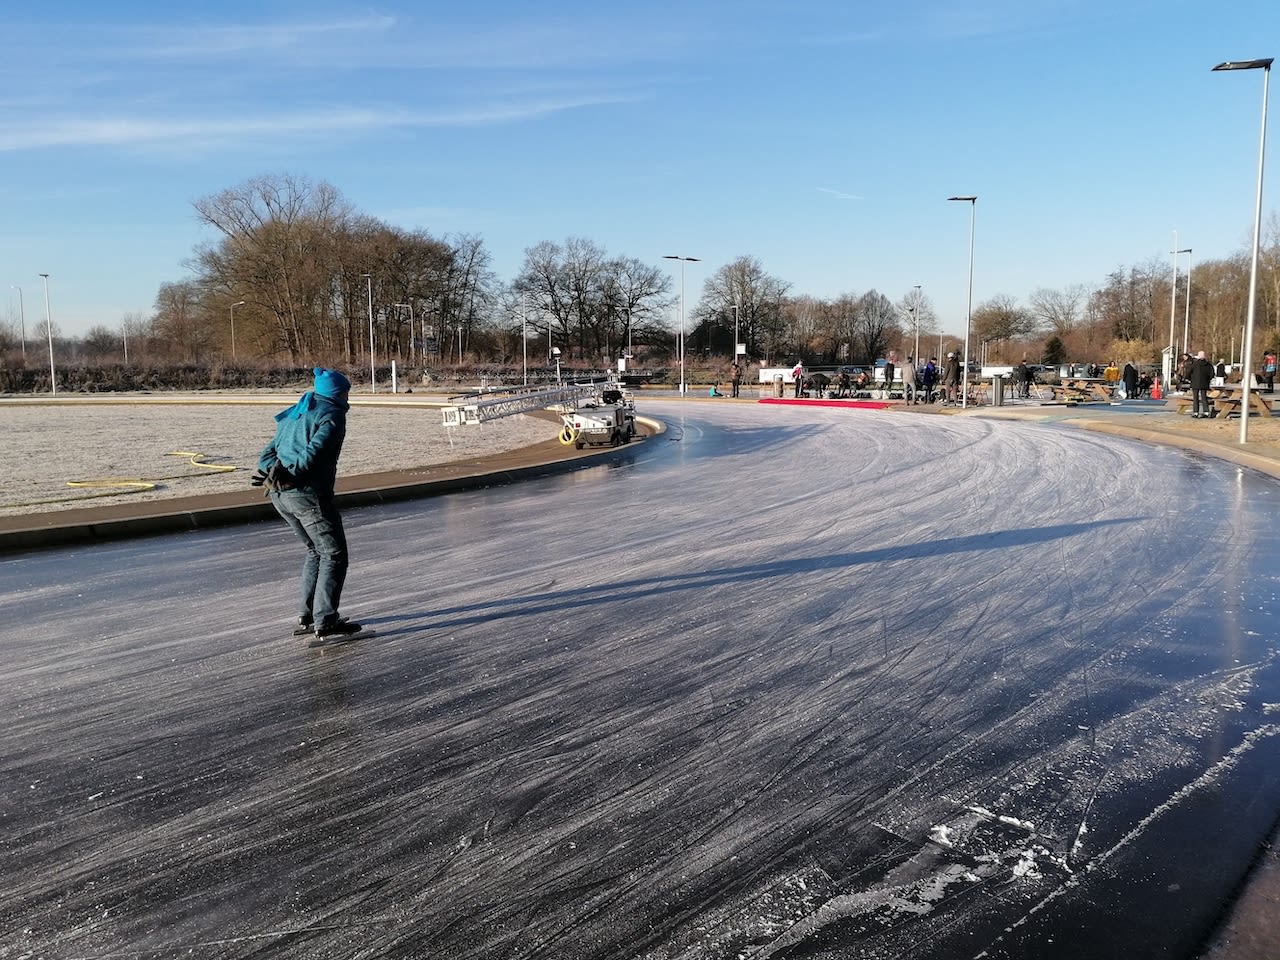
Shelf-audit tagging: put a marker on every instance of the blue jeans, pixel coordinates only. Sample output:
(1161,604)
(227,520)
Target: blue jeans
(316,521)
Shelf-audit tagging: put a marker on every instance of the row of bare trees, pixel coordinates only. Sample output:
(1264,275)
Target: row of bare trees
(295,275)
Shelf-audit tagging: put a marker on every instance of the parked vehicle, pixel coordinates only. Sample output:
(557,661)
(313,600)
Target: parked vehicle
(609,418)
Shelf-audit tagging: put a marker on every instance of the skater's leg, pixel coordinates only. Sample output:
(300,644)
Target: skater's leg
(286,505)
(317,523)
(323,525)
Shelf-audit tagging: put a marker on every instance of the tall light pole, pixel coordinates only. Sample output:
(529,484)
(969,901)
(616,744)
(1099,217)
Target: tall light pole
(22,319)
(734,306)
(1173,303)
(683,261)
(1265,67)
(1186,318)
(915,320)
(524,335)
(1173,295)
(238,303)
(48,327)
(968,313)
(373,381)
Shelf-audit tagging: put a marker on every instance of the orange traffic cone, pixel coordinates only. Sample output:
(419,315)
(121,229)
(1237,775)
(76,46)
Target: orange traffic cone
(1155,390)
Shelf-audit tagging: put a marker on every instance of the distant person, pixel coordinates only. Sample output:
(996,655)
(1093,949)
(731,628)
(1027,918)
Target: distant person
(299,468)
(797,374)
(735,378)
(1269,370)
(1184,370)
(843,384)
(909,381)
(1112,373)
(1023,377)
(951,378)
(889,374)
(1130,379)
(1200,374)
(929,377)
(1220,371)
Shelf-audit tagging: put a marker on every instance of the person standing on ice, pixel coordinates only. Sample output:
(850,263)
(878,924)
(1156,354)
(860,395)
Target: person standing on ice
(299,468)
(951,378)
(909,381)
(930,377)
(1200,374)
(797,374)
(1129,377)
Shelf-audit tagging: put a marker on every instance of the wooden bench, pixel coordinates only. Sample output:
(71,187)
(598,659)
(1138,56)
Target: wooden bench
(1226,401)
(1230,402)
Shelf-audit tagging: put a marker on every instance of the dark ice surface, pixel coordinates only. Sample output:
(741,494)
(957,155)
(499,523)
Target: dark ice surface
(788,683)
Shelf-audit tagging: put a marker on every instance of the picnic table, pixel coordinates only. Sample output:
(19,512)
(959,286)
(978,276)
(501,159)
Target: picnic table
(1227,401)
(1084,390)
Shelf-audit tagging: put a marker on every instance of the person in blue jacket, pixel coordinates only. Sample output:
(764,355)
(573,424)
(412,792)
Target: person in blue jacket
(299,468)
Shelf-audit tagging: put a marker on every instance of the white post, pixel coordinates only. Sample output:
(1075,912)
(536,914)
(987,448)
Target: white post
(48,326)
(1186,319)
(373,377)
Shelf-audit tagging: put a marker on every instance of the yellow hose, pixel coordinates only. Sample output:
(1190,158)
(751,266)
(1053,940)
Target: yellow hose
(115,487)
(568,435)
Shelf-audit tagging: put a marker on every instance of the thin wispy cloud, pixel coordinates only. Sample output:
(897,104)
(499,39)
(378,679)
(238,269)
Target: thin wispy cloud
(136,132)
(184,43)
(839,195)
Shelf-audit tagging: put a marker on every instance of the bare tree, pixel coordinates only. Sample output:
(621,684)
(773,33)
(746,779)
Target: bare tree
(760,300)
(179,322)
(875,324)
(1059,310)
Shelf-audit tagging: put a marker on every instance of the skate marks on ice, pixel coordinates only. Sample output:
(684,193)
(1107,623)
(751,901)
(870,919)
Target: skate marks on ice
(793,716)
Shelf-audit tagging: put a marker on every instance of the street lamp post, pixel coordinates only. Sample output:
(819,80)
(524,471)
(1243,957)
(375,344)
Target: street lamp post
(373,381)
(968,313)
(1265,67)
(1186,317)
(915,321)
(1173,304)
(48,327)
(683,261)
(22,319)
(734,306)
(238,303)
(524,336)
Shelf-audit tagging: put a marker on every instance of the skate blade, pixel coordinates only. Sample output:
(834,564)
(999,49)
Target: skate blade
(341,638)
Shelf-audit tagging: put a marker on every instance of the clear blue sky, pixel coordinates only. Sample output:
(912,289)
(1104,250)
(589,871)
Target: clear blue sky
(822,138)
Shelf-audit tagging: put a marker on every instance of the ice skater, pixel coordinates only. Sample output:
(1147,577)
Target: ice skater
(298,468)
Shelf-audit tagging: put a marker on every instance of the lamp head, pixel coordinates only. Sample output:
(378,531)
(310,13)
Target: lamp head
(1246,64)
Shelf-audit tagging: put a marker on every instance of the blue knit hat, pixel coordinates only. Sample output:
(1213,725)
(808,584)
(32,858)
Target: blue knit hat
(330,383)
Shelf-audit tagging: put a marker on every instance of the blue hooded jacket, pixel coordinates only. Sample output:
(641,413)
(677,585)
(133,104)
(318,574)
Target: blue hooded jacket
(309,434)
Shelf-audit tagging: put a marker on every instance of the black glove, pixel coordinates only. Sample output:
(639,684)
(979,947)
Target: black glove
(279,478)
(258,478)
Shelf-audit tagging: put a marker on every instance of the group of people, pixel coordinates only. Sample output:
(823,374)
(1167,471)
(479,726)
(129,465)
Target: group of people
(920,384)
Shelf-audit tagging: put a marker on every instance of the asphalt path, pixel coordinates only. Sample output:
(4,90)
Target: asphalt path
(785,683)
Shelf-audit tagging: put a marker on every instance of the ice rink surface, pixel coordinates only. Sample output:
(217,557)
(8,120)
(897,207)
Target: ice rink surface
(789,683)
